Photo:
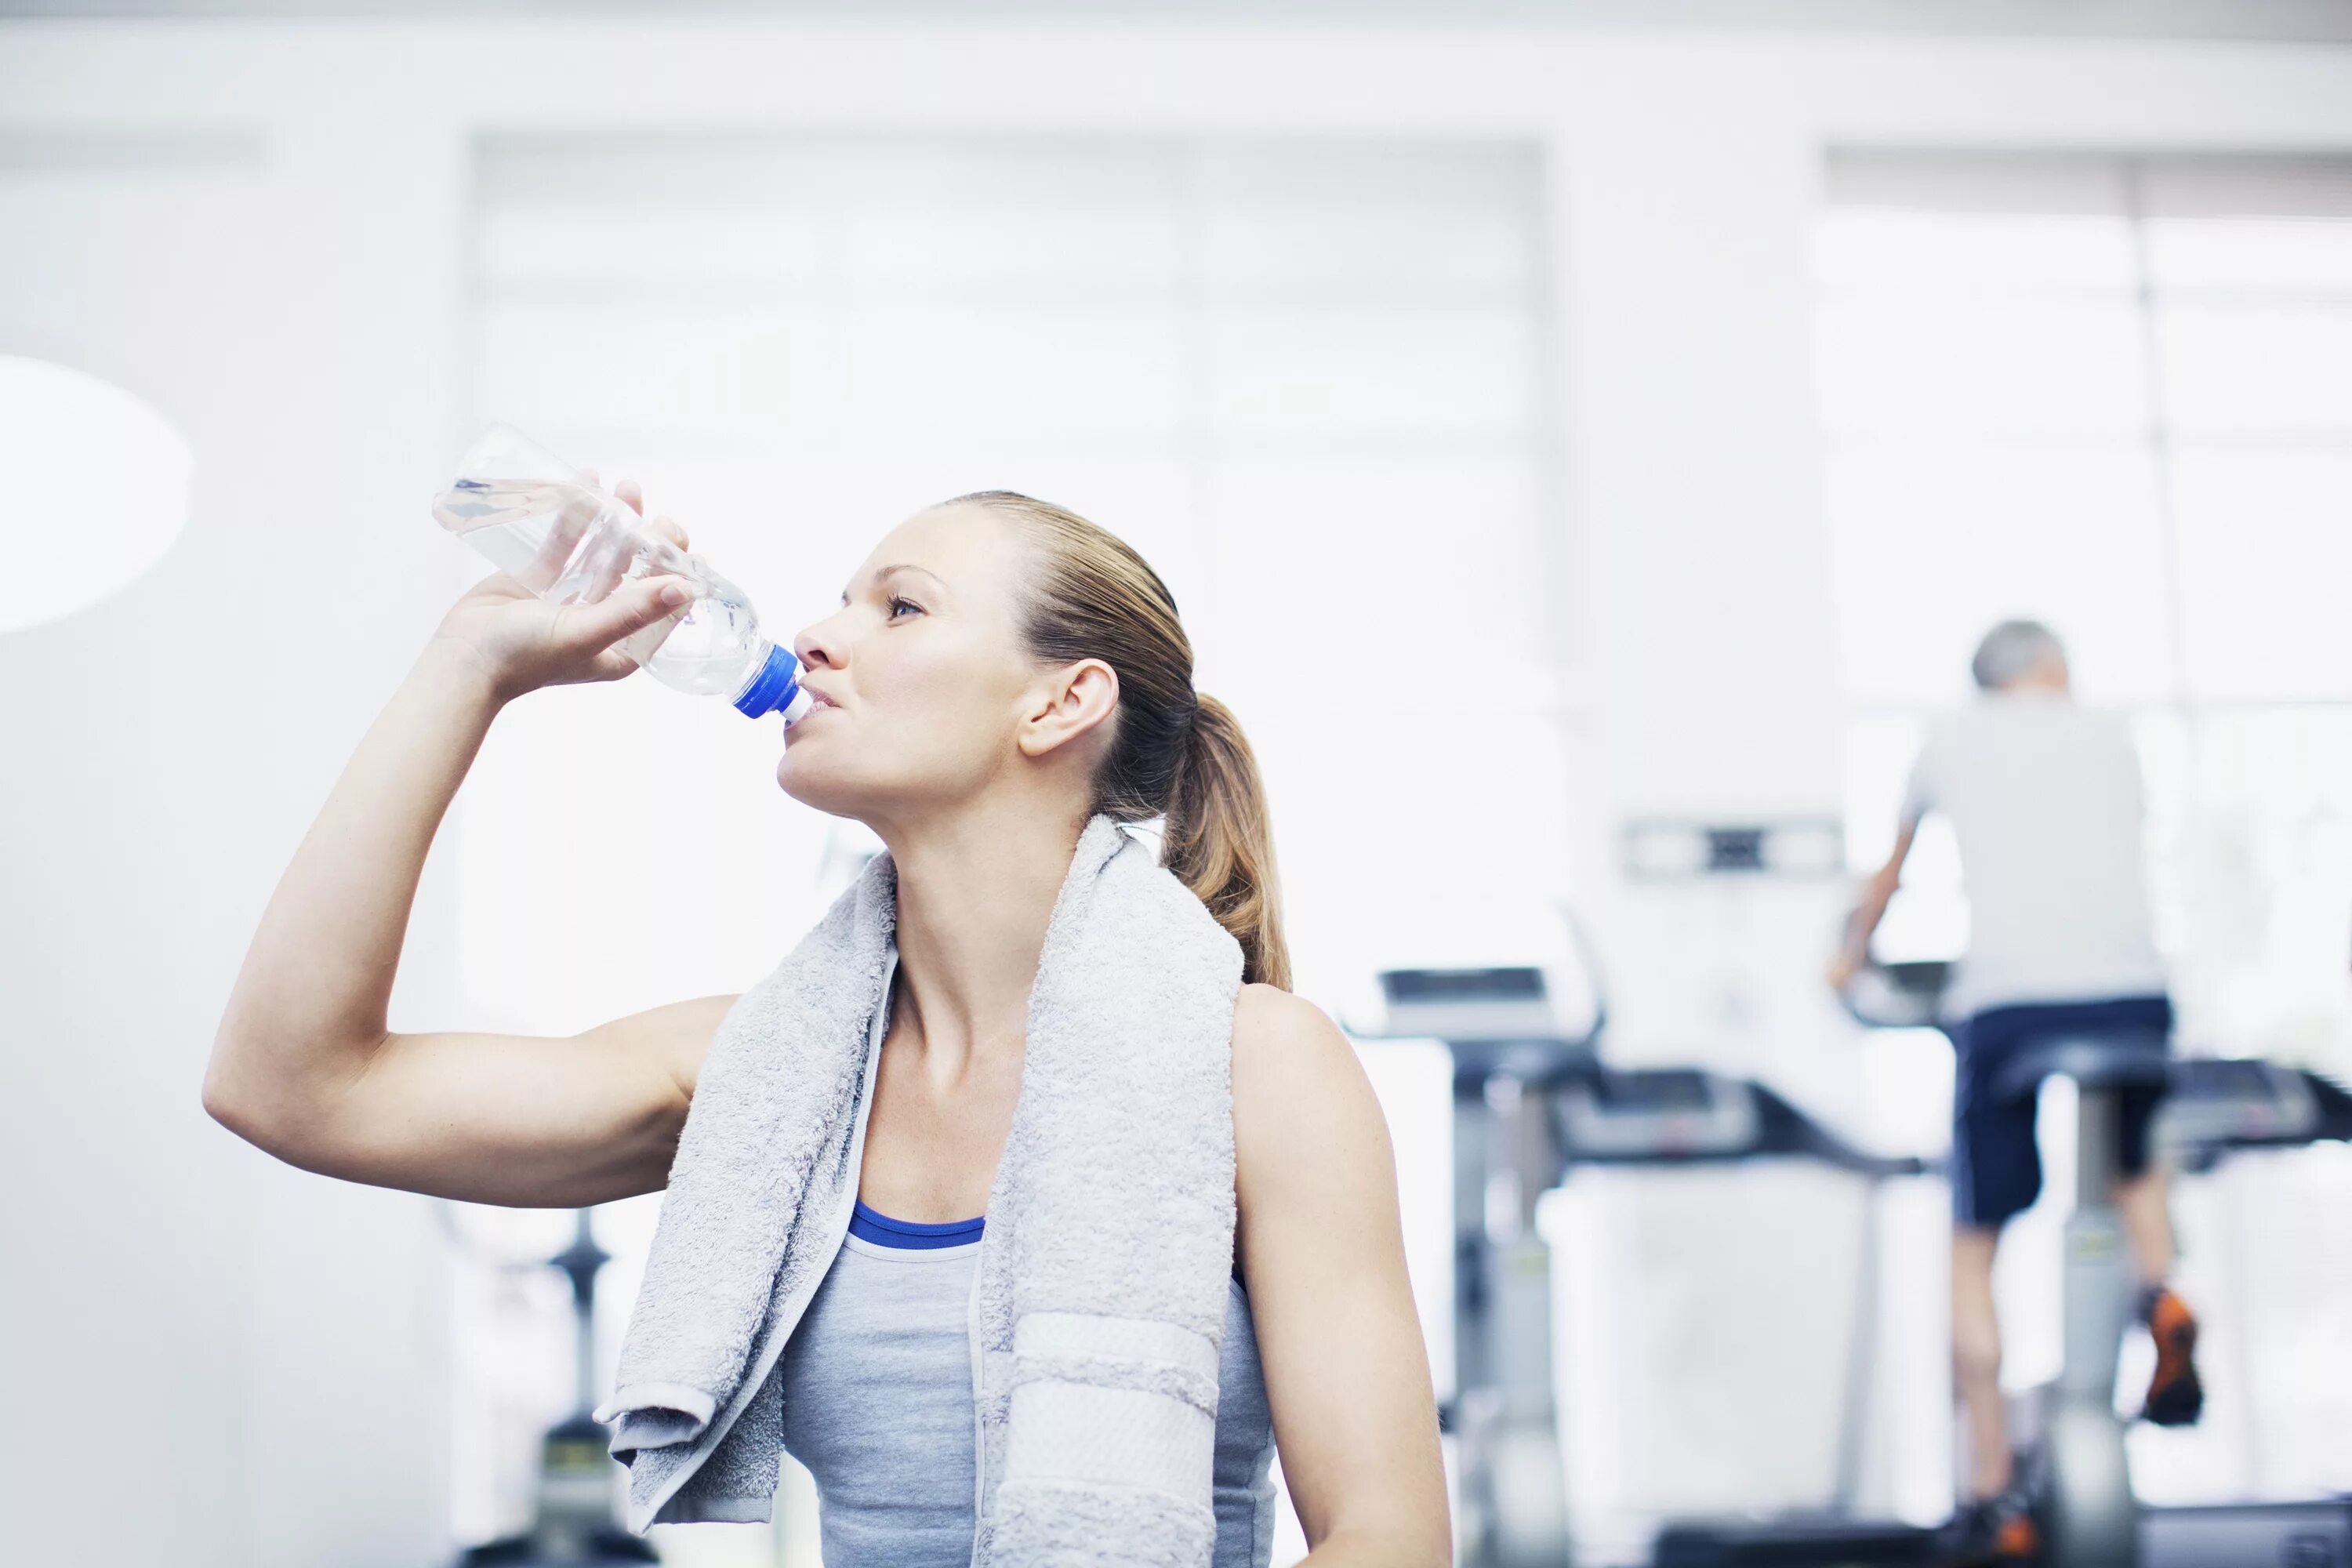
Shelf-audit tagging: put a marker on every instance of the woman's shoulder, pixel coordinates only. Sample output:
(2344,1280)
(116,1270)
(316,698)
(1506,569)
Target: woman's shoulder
(1274,1030)
(1293,1065)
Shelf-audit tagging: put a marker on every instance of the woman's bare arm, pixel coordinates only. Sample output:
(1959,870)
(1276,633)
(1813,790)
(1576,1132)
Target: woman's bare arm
(1322,1255)
(304,1064)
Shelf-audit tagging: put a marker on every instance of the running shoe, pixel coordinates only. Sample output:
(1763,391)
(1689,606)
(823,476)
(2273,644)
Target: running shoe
(2175,1396)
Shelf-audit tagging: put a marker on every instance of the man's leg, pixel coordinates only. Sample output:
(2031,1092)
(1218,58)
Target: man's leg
(1994,1525)
(1976,1360)
(2176,1396)
(1996,1172)
(2141,1203)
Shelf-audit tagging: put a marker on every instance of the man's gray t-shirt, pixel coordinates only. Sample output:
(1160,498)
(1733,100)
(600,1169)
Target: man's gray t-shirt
(2047,804)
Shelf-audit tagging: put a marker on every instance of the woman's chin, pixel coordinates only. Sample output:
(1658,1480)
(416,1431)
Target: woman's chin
(792,777)
(801,778)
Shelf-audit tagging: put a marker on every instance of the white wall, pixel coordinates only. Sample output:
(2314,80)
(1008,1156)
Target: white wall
(235,1364)
(229,1361)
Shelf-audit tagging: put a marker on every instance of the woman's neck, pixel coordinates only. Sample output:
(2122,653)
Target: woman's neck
(975,899)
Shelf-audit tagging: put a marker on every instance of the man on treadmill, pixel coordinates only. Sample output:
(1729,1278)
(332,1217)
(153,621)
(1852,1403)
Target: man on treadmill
(2045,801)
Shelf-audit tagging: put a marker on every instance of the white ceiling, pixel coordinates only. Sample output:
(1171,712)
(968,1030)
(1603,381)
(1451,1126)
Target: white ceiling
(2311,20)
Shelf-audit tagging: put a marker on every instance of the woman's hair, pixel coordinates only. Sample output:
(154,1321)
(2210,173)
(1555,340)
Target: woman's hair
(1174,754)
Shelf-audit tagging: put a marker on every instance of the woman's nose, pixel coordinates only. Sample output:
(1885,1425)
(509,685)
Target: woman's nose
(817,646)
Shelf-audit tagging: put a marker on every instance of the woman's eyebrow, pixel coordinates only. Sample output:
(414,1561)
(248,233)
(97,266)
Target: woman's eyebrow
(883,573)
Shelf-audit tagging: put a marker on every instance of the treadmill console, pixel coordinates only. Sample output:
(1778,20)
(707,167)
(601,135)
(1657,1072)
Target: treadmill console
(1498,1022)
(1451,1005)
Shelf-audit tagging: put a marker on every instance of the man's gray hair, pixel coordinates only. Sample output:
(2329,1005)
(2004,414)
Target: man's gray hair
(2011,649)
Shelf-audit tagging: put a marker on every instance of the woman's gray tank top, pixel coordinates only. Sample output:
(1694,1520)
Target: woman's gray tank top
(878,1405)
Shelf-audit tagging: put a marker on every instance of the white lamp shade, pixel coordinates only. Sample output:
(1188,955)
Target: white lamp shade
(97,488)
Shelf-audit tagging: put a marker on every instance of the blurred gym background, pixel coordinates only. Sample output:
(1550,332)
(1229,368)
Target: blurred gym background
(1566,427)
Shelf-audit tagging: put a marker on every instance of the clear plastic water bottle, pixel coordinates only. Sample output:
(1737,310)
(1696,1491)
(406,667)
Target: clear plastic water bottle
(537,518)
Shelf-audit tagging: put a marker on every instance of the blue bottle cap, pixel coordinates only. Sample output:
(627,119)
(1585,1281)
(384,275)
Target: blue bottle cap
(774,687)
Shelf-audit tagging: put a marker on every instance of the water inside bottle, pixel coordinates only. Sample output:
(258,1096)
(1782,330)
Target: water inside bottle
(570,543)
(565,542)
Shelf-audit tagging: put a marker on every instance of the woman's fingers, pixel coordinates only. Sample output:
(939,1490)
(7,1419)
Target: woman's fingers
(619,556)
(628,491)
(594,628)
(572,520)
(601,572)
(607,566)
(612,665)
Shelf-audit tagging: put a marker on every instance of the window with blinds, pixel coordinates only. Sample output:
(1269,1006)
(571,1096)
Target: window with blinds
(1302,378)
(2114,394)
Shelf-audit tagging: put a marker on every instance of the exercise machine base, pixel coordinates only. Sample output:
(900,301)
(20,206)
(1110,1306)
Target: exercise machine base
(1793,1541)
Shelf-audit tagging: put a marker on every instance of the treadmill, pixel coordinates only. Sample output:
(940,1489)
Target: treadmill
(1668,1116)
(2218,1109)
(1532,1104)
(1509,1053)
(2215,1110)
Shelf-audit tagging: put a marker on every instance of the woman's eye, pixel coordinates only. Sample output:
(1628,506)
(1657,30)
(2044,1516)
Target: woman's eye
(898,604)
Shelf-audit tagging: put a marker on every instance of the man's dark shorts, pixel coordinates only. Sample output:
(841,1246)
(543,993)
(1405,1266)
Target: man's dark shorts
(1996,1166)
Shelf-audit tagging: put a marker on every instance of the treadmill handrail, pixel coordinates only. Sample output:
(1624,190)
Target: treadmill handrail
(1777,1129)
(1914,991)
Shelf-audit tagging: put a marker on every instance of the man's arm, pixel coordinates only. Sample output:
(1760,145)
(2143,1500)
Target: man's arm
(1875,894)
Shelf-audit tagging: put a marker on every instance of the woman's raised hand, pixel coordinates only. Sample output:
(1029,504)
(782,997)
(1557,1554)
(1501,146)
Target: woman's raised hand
(521,642)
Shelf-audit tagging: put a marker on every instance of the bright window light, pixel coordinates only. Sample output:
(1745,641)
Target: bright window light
(2116,394)
(99,483)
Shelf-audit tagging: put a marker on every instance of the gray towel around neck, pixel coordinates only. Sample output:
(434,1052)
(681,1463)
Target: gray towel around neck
(1101,1285)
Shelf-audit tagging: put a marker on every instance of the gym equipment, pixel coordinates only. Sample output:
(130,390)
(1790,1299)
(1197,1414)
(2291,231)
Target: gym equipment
(575,1527)
(2089,1518)
(1531,1105)
(2214,1109)
(1508,1054)
(1684,1116)
(2218,1109)
(1668,1116)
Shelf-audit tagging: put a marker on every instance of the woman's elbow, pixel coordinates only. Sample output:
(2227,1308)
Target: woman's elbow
(237,1094)
(228,1101)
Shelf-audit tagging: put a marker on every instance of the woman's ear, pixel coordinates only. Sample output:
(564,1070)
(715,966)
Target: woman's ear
(1069,703)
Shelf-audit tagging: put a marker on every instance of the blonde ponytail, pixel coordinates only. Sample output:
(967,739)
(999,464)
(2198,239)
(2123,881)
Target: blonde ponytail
(1218,841)
(1174,755)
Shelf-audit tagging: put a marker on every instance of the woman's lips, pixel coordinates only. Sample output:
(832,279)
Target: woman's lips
(818,704)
